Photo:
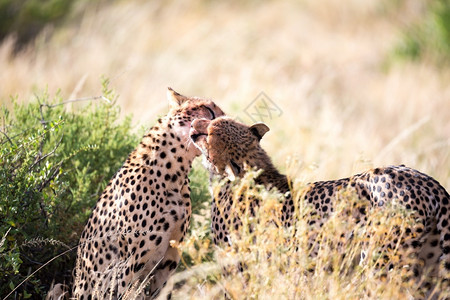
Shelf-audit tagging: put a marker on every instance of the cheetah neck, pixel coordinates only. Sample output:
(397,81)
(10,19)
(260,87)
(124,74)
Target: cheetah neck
(166,147)
(273,178)
(270,176)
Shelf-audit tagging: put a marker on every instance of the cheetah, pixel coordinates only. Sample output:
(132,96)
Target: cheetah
(144,211)
(230,146)
(220,143)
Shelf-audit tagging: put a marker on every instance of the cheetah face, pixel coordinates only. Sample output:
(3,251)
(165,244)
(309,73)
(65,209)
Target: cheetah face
(183,110)
(227,144)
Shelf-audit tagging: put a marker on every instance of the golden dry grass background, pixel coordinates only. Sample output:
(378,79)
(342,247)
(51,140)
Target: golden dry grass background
(346,105)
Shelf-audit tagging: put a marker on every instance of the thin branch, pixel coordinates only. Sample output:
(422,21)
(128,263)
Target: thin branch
(30,260)
(42,186)
(4,132)
(77,100)
(50,178)
(32,274)
(44,123)
(41,105)
(41,158)
(7,137)
(14,136)
(4,237)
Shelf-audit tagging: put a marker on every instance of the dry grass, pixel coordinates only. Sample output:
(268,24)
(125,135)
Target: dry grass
(345,107)
(279,264)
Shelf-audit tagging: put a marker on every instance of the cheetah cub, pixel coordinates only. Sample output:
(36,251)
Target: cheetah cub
(143,211)
(229,146)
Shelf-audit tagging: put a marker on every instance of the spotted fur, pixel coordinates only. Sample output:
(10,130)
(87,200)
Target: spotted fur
(230,146)
(144,210)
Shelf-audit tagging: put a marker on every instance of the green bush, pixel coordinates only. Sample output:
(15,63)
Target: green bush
(54,163)
(26,18)
(429,38)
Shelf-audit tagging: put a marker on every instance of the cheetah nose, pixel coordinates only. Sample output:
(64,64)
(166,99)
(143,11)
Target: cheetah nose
(194,134)
(198,128)
(200,125)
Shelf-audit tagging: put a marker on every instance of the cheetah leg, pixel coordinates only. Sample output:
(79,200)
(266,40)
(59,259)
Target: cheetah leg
(144,268)
(163,271)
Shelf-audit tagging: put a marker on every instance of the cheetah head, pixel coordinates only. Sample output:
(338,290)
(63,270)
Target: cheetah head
(228,145)
(183,110)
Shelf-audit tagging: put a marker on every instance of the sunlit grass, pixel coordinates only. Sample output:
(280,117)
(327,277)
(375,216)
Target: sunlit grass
(279,263)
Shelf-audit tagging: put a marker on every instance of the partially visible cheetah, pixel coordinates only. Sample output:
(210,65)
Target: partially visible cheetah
(144,209)
(230,146)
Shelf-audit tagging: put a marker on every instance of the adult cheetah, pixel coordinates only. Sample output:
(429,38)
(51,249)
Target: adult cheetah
(229,146)
(144,209)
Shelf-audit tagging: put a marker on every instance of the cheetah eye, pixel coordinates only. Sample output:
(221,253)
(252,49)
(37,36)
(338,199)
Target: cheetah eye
(235,167)
(213,116)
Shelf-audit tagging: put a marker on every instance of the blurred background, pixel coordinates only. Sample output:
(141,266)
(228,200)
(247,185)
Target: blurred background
(345,85)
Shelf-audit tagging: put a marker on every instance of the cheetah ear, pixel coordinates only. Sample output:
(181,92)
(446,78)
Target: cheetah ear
(259,130)
(174,98)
